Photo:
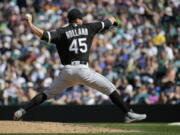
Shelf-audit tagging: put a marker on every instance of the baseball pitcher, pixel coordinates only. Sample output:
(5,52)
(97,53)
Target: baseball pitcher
(73,43)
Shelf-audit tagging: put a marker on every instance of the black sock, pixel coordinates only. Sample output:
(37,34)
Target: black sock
(116,99)
(37,100)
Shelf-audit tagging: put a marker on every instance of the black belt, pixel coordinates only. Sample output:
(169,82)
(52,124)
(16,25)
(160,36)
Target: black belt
(77,62)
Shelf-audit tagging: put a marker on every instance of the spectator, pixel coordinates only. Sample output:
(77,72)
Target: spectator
(159,38)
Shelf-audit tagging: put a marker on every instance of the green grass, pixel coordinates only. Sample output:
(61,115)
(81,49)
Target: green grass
(145,128)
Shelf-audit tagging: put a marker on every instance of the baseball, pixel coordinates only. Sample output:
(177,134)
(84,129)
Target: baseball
(28,16)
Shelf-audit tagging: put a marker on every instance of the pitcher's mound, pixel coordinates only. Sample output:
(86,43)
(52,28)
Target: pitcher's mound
(51,127)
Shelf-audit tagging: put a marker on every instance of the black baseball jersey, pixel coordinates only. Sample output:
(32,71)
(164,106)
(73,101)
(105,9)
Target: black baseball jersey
(73,42)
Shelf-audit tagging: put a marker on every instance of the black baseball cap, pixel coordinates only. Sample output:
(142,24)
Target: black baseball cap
(74,14)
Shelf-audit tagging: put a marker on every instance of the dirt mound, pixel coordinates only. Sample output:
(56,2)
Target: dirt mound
(51,127)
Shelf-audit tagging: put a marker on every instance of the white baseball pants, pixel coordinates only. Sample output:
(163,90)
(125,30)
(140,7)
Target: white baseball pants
(71,75)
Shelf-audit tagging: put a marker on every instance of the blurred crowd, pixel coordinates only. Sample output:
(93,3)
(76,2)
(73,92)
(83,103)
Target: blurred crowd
(141,57)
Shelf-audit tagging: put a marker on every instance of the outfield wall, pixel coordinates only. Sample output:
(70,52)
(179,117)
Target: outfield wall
(108,113)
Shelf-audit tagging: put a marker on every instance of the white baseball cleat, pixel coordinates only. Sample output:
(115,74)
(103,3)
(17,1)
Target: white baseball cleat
(132,117)
(19,114)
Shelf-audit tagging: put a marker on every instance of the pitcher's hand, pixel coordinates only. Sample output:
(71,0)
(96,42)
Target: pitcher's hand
(28,17)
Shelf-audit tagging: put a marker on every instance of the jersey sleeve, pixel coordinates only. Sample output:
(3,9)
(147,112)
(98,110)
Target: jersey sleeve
(99,26)
(51,36)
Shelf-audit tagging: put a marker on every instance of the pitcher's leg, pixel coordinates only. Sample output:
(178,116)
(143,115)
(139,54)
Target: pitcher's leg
(99,82)
(102,84)
(58,85)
